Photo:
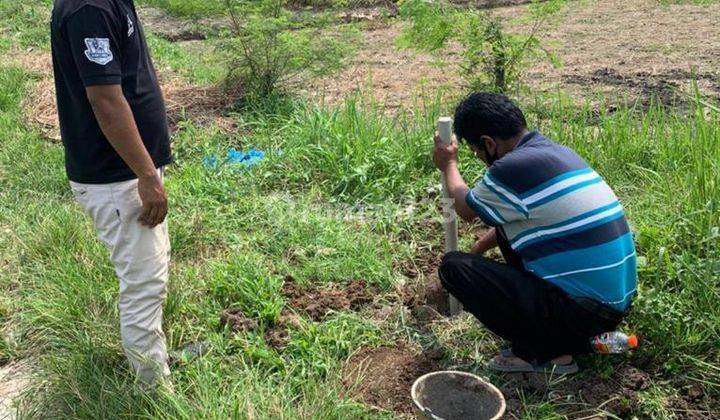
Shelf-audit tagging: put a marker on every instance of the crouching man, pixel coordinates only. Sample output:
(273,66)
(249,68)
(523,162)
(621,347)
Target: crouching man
(114,129)
(570,266)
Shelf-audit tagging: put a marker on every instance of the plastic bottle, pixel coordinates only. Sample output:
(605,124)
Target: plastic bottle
(613,342)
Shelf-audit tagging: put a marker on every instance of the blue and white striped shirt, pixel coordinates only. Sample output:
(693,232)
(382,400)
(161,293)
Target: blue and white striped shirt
(563,220)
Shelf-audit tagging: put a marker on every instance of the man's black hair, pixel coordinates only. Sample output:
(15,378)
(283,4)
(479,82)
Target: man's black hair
(488,114)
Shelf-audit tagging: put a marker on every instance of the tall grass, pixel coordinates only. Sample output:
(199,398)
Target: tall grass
(234,244)
(237,233)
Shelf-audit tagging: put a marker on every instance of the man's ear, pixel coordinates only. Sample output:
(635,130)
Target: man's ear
(490,145)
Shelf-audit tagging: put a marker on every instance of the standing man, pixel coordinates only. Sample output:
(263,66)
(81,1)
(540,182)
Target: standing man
(114,129)
(570,269)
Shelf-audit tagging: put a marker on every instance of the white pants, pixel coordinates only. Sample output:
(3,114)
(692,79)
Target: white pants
(141,256)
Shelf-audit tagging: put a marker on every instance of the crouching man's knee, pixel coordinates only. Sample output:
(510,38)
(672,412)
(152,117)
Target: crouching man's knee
(451,268)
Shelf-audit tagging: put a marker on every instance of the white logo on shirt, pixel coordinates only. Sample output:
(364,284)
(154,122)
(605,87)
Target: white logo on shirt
(131,26)
(98,50)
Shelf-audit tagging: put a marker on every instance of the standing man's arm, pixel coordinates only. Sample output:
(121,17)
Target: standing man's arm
(96,37)
(116,120)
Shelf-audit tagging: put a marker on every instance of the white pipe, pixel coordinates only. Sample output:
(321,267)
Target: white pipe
(444,128)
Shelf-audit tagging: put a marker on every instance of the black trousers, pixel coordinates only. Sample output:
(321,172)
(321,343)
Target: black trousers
(539,319)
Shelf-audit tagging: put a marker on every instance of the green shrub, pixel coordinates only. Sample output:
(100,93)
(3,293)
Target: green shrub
(491,59)
(271,46)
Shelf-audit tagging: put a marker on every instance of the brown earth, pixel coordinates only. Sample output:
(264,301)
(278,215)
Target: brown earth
(382,377)
(647,49)
(236,321)
(586,394)
(183,100)
(424,295)
(278,334)
(176,29)
(425,289)
(14,381)
(317,301)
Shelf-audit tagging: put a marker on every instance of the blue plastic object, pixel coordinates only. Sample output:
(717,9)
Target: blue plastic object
(235,157)
(251,158)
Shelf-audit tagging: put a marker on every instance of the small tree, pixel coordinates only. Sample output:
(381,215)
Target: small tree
(271,45)
(491,58)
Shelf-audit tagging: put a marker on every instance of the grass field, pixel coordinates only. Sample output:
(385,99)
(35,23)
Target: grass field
(341,196)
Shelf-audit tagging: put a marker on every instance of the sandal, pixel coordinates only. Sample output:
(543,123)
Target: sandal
(527,367)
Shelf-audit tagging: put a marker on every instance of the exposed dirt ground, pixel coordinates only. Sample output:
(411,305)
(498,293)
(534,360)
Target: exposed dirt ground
(382,377)
(277,335)
(627,50)
(176,29)
(586,394)
(317,301)
(14,380)
(236,321)
(184,100)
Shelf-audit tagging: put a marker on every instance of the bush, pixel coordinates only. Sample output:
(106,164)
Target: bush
(271,46)
(491,58)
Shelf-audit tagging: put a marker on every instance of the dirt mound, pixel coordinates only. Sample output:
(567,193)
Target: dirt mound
(278,335)
(650,89)
(420,297)
(427,291)
(318,301)
(236,321)
(589,394)
(382,377)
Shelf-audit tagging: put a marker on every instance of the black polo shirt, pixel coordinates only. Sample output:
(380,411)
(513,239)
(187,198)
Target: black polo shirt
(101,42)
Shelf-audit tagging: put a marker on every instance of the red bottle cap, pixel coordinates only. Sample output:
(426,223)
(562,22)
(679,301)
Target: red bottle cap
(632,341)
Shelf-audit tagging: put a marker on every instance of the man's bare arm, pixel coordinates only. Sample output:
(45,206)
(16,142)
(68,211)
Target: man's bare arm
(458,190)
(486,243)
(116,121)
(445,159)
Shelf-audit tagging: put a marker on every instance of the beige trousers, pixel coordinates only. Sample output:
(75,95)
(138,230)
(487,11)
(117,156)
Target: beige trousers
(141,256)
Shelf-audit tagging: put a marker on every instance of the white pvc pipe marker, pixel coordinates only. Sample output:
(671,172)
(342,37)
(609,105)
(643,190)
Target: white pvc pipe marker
(444,128)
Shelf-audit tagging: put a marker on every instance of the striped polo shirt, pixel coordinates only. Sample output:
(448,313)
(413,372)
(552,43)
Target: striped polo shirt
(563,220)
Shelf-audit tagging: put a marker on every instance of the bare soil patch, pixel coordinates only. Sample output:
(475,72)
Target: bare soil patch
(200,104)
(382,73)
(587,395)
(425,295)
(426,289)
(236,321)
(317,301)
(382,377)
(40,108)
(175,29)
(643,39)
(278,334)
(644,46)
(183,100)
(14,380)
